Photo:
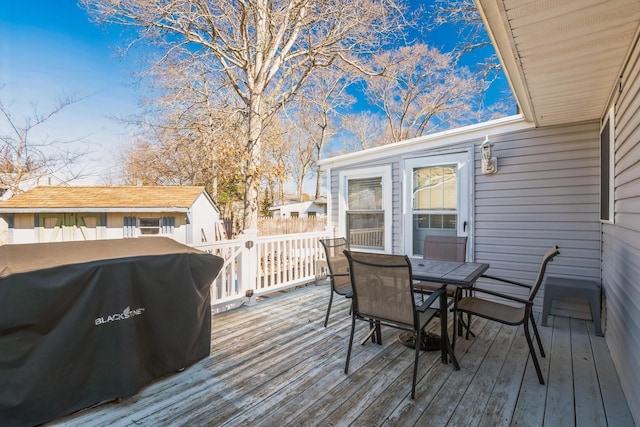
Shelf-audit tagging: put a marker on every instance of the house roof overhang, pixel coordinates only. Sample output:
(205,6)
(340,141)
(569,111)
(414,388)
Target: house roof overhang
(95,210)
(54,199)
(563,58)
(441,140)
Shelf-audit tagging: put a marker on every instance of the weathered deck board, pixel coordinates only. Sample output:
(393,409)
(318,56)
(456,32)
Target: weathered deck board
(275,364)
(588,401)
(560,397)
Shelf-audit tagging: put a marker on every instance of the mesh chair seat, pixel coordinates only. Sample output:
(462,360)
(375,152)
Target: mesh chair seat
(492,310)
(428,287)
(344,290)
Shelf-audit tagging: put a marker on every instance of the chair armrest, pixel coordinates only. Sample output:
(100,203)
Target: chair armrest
(498,294)
(433,297)
(338,275)
(500,279)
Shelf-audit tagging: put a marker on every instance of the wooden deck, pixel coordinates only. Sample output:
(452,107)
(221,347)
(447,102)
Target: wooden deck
(274,364)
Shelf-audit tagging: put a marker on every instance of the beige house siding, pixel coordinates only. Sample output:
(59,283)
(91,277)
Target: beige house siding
(90,213)
(24,231)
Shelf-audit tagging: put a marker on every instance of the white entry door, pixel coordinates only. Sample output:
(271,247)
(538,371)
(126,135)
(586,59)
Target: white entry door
(438,199)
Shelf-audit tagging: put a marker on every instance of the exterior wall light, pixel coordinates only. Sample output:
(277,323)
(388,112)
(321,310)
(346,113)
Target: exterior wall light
(489,163)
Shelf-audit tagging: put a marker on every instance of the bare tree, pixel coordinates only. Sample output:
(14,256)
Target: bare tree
(276,166)
(25,156)
(191,133)
(463,16)
(420,89)
(368,129)
(138,164)
(302,139)
(264,50)
(317,117)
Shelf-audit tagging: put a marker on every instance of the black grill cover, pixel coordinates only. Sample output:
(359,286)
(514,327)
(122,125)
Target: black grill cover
(86,322)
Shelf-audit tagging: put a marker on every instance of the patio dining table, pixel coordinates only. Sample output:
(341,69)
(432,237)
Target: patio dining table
(449,273)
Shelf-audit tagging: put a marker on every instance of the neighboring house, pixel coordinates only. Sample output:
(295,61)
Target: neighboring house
(26,183)
(46,214)
(300,209)
(568,167)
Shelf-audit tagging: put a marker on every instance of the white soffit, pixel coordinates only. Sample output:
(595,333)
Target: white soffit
(562,57)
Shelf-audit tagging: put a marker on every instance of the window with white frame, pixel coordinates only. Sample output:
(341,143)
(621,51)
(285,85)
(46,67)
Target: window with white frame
(148,226)
(365,208)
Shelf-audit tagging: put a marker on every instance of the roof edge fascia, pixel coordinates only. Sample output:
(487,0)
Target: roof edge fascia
(206,195)
(432,141)
(93,210)
(497,25)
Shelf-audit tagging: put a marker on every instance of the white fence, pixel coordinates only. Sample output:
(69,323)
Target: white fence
(255,266)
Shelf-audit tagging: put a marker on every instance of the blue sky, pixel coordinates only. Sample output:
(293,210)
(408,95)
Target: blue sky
(48,49)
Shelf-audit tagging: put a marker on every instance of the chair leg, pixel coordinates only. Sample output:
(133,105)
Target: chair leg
(535,331)
(532,350)
(415,362)
(468,326)
(465,324)
(371,334)
(455,328)
(458,322)
(326,319)
(353,327)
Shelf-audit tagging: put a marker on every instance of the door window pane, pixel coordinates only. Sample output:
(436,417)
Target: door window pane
(434,203)
(365,214)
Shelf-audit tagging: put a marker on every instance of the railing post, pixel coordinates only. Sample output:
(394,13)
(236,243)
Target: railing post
(248,261)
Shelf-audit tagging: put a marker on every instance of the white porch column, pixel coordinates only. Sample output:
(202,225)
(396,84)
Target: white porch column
(247,279)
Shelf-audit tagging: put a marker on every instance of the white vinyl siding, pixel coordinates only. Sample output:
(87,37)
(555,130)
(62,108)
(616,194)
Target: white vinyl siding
(621,240)
(545,193)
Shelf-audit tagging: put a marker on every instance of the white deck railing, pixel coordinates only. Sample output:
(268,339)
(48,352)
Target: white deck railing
(255,266)
(367,237)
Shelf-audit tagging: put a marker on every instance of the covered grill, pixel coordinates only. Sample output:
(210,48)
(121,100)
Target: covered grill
(86,322)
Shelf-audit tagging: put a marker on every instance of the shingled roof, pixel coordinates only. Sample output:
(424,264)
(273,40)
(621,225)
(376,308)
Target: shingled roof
(118,198)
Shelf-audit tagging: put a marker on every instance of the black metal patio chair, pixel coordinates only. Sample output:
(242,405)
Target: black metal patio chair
(383,292)
(445,248)
(508,309)
(338,269)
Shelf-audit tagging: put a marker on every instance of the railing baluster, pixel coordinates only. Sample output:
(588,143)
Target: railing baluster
(279,262)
